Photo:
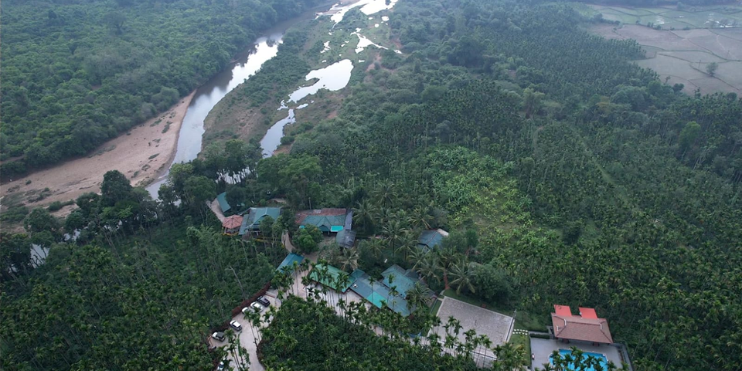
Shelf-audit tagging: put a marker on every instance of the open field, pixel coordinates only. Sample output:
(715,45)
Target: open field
(672,17)
(681,56)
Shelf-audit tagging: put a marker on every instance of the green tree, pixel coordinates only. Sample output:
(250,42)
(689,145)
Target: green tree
(711,68)
(491,284)
(307,239)
(39,220)
(115,188)
(689,135)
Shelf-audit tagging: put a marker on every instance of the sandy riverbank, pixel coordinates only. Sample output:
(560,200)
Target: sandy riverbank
(141,154)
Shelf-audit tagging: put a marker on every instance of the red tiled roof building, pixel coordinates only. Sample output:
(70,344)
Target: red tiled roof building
(584,327)
(232,224)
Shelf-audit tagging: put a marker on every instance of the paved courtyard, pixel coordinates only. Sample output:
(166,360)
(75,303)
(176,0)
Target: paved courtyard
(542,349)
(497,327)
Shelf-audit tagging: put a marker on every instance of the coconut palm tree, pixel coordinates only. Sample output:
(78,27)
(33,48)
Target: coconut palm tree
(348,259)
(385,193)
(417,257)
(394,232)
(462,276)
(363,214)
(445,259)
(428,266)
(408,243)
(418,297)
(420,218)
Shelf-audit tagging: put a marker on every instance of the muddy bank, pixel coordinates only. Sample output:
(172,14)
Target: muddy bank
(140,154)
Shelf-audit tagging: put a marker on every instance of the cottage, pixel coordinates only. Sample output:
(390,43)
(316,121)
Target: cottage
(327,220)
(431,239)
(584,327)
(255,215)
(232,225)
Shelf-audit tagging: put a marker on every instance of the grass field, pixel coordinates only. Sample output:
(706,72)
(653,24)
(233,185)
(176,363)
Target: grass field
(525,341)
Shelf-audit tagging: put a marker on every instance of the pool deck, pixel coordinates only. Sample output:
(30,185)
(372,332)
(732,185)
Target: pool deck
(542,349)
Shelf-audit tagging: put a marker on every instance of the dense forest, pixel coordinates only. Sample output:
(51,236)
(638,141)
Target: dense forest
(565,174)
(77,73)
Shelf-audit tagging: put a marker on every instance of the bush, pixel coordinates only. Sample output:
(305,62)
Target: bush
(14,214)
(54,206)
(288,139)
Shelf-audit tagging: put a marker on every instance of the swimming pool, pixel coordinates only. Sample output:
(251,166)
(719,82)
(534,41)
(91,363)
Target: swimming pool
(601,358)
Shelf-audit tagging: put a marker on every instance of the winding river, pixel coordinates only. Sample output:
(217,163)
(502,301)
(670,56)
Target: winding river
(208,95)
(333,77)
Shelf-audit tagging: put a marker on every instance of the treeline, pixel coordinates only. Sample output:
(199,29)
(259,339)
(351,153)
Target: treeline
(77,73)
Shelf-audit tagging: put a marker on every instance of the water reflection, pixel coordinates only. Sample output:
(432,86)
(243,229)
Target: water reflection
(208,95)
(333,77)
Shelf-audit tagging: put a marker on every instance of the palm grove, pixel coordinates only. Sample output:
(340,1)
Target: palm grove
(567,174)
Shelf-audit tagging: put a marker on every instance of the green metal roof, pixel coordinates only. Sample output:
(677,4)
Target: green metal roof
(223,204)
(330,280)
(332,223)
(289,261)
(257,214)
(403,281)
(430,239)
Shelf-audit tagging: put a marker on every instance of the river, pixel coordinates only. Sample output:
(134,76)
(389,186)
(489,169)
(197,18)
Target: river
(208,95)
(333,77)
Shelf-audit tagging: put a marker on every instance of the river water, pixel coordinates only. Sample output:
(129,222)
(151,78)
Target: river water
(333,77)
(208,95)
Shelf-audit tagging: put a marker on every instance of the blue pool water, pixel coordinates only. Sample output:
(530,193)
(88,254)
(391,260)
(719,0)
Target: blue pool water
(600,357)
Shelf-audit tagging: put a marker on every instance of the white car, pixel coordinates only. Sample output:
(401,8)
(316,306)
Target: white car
(255,307)
(236,326)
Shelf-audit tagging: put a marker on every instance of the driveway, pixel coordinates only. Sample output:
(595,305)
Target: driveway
(249,333)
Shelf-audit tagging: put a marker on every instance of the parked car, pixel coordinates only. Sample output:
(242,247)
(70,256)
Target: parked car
(222,366)
(254,307)
(235,325)
(262,300)
(218,336)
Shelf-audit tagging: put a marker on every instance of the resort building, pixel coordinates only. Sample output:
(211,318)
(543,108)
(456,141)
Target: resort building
(255,215)
(288,263)
(584,327)
(231,225)
(327,220)
(331,277)
(585,331)
(431,239)
(391,291)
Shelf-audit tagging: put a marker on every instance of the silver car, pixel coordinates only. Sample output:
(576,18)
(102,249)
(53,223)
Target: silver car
(235,326)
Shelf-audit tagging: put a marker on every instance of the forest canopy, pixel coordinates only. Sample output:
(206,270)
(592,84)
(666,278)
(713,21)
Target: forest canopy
(77,73)
(565,174)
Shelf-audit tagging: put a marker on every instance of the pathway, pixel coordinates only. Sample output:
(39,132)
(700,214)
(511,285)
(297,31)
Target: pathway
(214,206)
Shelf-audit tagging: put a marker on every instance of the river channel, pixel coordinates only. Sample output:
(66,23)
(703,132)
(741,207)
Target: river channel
(208,95)
(264,48)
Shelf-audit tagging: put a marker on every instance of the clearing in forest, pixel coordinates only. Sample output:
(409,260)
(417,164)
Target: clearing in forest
(681,56)
(680,44)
